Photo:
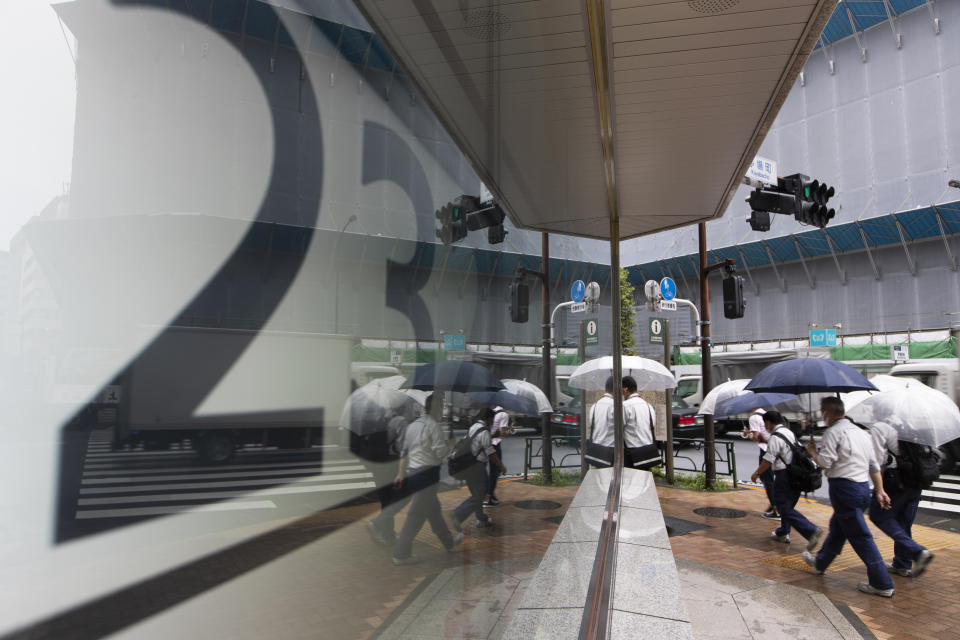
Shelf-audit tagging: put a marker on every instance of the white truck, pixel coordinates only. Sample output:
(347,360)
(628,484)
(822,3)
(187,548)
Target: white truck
(285,389)
(942,374)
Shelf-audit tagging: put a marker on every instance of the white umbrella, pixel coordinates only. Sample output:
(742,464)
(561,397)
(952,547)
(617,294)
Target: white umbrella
(529,391)
(883,383)
(721,393)
(394,382)
(371,408)
(649,374)
(918,413)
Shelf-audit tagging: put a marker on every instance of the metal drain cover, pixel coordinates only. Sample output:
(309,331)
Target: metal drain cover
(720,512)
(544,505)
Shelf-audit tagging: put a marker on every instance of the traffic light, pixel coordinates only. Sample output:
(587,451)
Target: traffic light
(733,302)
(491,219)
(453,227)
(759,220)
(519,301)
(811,199)
(464,214)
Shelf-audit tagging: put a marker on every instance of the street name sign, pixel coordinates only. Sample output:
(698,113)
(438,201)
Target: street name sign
(578,307)
(823,337)
(668,305)
(764,170)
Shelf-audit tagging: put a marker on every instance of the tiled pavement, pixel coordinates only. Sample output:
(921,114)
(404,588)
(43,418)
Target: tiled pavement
(342,585)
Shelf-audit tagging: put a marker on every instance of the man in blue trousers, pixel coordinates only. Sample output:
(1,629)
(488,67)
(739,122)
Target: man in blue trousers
(910,559)
(847,457)
(778,456)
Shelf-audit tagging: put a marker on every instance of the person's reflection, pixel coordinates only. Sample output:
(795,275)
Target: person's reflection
(377,417)
(424,449)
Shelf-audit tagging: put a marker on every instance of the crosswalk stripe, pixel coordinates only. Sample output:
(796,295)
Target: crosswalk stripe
(944,495)
(940,506)
(280,474)
(160,511)
(222,495)
(179,452)
(116,470)
(214,485)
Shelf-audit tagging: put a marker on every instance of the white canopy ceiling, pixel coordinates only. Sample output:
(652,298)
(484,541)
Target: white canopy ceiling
(688,90)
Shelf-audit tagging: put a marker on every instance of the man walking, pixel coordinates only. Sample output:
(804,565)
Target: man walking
(779,454)
(847,457)
(476,477)
(910,559)
(424,448)
(600,429)
(756,431)
(638,421)
(501,428)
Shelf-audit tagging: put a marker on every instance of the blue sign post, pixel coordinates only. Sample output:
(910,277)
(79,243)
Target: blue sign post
(668,288)
(823,337)
(454,342)
(577,291)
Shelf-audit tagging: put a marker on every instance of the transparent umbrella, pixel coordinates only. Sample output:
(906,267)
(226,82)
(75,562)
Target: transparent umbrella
(721,393)
(649,374)
(529,391)
(918,413)
(370,408)
(883,383)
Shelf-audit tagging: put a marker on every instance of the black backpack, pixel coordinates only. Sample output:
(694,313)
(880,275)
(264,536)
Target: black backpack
(462,458)
(804,473)
(919,465)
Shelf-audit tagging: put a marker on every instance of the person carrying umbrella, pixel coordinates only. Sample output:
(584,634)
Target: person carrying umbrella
(423,450)
(757,432)
(501,428)
(910,559)
(848,459)
(476,477)
(779,454)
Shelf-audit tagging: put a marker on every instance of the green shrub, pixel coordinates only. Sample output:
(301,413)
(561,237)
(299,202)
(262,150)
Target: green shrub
(561,478)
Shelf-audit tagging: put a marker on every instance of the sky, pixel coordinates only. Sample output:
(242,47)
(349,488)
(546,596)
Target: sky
(38,85)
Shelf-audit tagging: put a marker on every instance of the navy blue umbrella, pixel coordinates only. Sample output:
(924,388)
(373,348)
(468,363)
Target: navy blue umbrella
(453,375)
(505,399)
(750,401)
(808,375)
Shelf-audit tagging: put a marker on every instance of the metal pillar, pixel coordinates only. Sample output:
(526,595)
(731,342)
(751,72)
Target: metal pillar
(547,449)
(705,364)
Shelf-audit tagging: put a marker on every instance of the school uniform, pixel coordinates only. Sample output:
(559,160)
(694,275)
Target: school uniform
(779,455)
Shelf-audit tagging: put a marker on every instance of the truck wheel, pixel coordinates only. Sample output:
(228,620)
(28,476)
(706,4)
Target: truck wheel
(216,447)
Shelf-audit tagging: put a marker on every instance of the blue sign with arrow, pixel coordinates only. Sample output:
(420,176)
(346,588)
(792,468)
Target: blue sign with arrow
(577,291)
(668,288)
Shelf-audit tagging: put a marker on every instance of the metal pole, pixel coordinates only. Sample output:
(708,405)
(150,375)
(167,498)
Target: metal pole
(547,449)
(668,394)
(705,365)
(582,357)
(617,350)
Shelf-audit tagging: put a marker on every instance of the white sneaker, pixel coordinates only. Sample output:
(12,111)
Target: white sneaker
(900,571)
(411,559)
(784,538)
(812,561)
(920,564)
(814,539)
(457,541)
(866,587)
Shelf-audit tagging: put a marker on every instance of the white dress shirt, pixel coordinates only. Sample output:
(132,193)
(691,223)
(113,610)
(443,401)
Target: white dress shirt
(601,421)
(424,444)
(847,451)
(481,445)
(501,420)
(779,453)
(638,421)
(886,441)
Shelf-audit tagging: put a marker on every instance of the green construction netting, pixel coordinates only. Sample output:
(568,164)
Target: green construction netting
(918,351)
(382,354)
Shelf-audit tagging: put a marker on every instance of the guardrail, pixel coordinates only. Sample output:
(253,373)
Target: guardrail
(724,453)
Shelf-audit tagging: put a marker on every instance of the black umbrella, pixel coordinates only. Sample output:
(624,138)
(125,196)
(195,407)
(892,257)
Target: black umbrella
(453,375)
(808,375)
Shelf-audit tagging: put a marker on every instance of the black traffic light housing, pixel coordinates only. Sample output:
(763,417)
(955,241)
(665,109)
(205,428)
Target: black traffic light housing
(464,214)
(759,220)
(519,301)
(733,302)
(811,198)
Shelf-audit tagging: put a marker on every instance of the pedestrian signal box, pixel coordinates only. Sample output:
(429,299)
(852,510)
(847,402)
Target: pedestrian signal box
(733,302)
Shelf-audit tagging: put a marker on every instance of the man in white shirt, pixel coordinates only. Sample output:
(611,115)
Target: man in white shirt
(601,418)
(638,421)
(778,455)
(847,458)
(501,428)
(422,452)
(910,559)
(756,431)
(476,478)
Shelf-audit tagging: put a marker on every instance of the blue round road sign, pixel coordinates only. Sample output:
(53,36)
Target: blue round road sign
(577,291)
(668,288)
